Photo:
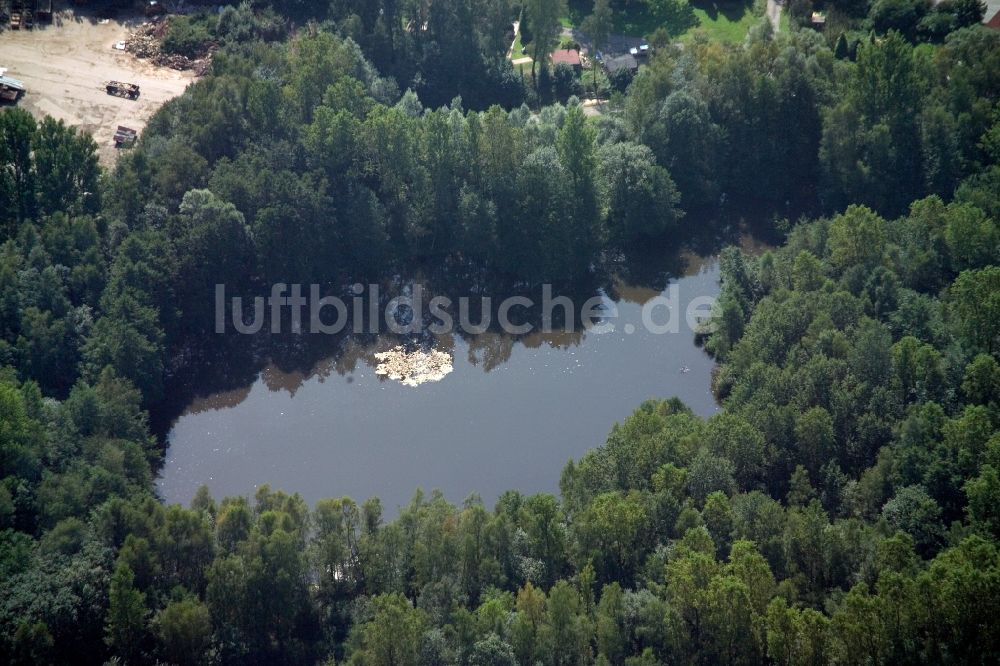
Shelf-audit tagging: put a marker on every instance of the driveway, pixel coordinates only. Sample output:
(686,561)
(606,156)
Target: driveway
(774,15)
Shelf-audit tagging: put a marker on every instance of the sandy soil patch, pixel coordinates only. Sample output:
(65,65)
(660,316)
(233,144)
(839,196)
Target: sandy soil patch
(594,107)
(66,65)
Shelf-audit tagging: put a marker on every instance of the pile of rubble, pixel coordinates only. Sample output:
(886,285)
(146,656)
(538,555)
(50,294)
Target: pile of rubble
(145,43)
(413,368)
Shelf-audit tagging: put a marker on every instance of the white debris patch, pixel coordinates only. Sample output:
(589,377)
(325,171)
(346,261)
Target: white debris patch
(413,368)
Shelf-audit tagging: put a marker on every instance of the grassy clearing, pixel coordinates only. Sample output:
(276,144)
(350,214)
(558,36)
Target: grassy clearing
(515,51)
(515,54)
(635,20)
(723,21)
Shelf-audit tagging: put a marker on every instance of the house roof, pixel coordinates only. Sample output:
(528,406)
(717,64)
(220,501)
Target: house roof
(992,9)
(994,22)
(621,62)
(566,56)
(13,84)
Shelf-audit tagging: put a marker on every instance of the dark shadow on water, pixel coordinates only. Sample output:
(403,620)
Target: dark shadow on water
(224,366)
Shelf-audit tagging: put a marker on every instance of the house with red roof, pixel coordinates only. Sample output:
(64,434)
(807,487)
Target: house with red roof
(991,17)
(569,57)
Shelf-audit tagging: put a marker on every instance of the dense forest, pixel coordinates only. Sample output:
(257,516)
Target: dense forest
(843,506)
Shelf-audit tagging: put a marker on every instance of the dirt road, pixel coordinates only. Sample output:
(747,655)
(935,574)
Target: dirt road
(65,66)
(774,15)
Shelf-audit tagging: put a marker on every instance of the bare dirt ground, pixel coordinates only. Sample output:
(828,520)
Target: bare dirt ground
(594,107)
(774,15)
(65,65)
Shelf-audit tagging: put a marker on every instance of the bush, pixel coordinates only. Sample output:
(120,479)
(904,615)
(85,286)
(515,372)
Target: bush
(676,16)
(603,89)
(525,30)
(236,24)
(565,82)
(901,15)
(544,85)
(620,79)
(187,36)
(800,12)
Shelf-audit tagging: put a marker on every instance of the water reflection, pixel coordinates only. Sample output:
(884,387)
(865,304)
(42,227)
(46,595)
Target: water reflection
(313,417)
(220,400)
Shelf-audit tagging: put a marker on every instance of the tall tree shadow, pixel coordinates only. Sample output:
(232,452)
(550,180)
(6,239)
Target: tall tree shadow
(733,10)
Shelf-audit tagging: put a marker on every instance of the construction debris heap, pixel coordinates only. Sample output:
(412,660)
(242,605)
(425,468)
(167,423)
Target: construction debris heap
(146,41)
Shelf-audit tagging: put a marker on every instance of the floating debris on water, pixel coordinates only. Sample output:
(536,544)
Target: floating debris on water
(413,368)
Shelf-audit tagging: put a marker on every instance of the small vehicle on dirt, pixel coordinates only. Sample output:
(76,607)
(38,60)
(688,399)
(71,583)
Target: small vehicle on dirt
(10,89)
(119,89)
(125,136)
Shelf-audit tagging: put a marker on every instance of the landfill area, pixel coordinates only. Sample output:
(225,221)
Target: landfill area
(66,68)
(144,42)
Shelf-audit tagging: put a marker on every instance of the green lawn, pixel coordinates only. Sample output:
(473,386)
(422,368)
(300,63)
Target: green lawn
(722,21)
(515,51)
(634,20)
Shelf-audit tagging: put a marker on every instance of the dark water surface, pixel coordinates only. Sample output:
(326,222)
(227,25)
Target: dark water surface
(508,417)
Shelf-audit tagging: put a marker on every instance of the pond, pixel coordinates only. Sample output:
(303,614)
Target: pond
(508,415)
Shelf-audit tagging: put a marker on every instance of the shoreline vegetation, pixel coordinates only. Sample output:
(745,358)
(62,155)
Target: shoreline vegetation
(840,508)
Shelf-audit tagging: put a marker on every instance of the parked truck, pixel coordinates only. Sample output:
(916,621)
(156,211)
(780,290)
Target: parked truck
(10,88)
(119,89)
(125,136)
